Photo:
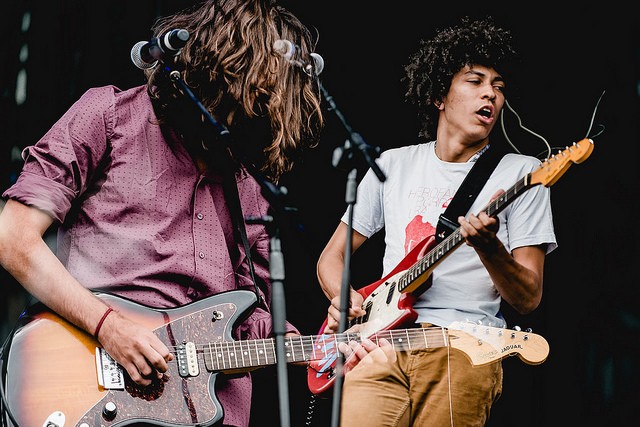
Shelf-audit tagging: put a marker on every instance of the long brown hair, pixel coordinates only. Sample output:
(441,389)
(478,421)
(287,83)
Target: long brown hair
(230,65)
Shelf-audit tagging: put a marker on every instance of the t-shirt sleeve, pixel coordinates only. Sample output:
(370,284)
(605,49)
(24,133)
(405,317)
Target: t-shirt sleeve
(368,212)
(531,219)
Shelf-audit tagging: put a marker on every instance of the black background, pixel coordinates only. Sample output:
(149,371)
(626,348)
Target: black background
(589,313)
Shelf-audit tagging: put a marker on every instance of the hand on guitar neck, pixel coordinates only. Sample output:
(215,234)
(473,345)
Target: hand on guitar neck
(355,311)
(355,353)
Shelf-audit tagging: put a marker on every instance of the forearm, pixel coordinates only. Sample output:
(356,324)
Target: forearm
(520,285)
(517,275)
(330,270)
(40,272)
(330,267)
(27,257)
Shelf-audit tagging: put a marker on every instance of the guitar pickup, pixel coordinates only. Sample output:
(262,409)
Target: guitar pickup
(367,309)
(392,290)
(187,359)
(110,374)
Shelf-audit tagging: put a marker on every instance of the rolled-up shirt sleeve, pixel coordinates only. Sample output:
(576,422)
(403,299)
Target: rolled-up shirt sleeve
(57,168)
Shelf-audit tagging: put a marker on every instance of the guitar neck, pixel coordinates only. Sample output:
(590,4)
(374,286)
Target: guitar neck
(427,263)
(239,355)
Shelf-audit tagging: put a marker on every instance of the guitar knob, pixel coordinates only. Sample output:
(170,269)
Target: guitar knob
(109,411)
(331,373)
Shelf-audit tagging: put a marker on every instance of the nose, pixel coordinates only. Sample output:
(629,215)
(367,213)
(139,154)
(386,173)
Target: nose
(489,92)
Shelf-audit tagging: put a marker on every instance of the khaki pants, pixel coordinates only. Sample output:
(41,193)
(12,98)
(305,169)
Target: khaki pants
(423,388)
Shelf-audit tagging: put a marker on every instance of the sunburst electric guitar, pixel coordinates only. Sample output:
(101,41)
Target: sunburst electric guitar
(57,375)
(389,301)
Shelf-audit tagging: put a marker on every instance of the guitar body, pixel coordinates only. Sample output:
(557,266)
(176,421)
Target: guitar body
(387,308)
(52,374)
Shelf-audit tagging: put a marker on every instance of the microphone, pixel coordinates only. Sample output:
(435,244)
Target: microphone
(147,54)
(292,53)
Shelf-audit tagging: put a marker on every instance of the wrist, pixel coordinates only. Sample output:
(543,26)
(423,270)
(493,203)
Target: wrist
(101,321)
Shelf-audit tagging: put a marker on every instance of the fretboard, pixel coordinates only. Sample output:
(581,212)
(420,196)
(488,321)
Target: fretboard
(231,355)
(444,248)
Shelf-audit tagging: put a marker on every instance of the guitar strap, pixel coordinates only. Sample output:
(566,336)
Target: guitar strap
(468,191)
(232,197)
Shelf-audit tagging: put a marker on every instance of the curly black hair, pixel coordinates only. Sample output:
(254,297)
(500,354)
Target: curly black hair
(431,68)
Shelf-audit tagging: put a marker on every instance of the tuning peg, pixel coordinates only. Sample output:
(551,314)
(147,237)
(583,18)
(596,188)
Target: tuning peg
(516,329)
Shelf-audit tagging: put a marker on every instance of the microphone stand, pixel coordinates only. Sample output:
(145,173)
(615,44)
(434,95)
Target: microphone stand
(344,156)
(368,152)
(273,195)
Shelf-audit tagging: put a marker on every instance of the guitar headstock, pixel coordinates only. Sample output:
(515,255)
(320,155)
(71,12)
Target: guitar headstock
(486,344)
(555,166)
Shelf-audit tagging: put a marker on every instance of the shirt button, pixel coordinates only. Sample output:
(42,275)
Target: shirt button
(201,255)
(200,216)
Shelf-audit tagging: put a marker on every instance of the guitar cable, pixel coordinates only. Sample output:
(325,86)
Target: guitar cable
(449,384)
(312,404)
(549,149)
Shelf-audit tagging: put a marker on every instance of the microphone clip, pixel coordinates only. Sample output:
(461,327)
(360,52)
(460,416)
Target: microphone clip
(293,54)
(146,54)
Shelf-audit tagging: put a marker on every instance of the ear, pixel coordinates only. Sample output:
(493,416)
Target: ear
(438,104)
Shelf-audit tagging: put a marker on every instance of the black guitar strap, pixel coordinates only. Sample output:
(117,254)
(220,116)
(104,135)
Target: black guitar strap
(233,199)
(468,191)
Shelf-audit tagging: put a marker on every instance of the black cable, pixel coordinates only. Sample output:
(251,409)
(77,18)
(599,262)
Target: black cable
(312,405)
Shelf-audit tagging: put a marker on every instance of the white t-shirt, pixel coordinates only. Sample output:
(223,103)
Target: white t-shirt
(417,189)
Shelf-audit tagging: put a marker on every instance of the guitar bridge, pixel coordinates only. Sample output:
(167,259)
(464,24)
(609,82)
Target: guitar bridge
(110,374)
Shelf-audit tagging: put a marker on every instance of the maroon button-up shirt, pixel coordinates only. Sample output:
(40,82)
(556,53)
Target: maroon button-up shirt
(139,220)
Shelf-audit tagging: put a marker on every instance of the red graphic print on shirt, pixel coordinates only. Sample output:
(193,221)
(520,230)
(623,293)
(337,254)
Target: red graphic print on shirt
(416,231)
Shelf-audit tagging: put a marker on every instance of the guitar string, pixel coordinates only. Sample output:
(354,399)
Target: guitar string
(346,337)
(396,335)
(402,339)
(313,347)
